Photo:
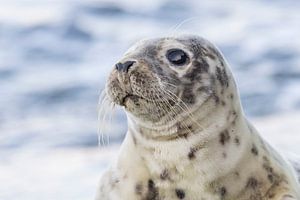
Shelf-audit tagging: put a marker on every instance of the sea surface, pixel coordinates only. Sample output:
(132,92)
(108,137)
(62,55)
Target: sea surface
(55,56)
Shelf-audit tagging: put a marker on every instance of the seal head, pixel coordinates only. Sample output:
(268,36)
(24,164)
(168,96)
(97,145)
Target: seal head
(174,74)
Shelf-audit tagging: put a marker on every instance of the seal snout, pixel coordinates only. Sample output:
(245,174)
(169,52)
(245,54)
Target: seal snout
(124,67)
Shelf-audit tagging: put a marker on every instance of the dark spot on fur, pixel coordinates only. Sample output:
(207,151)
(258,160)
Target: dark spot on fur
(237,141)
(180,193)
(114,182)
(152,193)
(188,96)
(223,103)
(139,189)
(192,152)
(252,183)
(217,99)
(232,116)
(183,135)
(217,54)
(205,89)
(195,46)
(183,130)
(271,178)
(224,155)
(171,102)
(271,195)
(224,137)
(222,77)
(237,174)
(254,150)
(202,66)
(198,67)
(164,174)
(268,168)
(134,139)
(222,192)
(233,122)
(158,70)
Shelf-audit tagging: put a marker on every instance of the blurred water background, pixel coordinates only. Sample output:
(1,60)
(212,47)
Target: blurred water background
(55,56)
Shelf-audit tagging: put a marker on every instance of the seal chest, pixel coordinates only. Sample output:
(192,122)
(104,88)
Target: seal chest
(187,135)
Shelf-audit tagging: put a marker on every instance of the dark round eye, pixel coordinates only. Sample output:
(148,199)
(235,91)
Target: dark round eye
(177,56)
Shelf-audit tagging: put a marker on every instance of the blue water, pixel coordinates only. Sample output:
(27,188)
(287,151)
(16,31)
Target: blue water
(55,56)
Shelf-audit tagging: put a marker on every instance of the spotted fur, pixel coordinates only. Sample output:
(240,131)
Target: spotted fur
(187,136)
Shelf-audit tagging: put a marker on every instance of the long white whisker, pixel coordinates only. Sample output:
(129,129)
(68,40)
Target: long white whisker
(177,26)
(105,110)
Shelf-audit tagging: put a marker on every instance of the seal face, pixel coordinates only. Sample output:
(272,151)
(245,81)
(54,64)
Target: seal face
(165,72)
(187,135)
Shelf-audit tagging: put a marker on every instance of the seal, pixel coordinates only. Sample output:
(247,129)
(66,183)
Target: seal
(187,134)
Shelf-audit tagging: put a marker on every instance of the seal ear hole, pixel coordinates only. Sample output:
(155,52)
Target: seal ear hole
(177,57)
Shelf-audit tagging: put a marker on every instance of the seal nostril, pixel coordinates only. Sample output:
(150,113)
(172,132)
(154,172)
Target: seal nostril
(124,66)
(119,66)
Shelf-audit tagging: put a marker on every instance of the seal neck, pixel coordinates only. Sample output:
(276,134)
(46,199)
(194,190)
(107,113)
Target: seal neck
(205,145)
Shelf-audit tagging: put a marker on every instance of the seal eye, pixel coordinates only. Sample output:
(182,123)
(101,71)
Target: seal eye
(177,56)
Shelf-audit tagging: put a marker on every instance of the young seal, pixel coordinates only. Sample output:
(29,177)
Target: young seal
(187,135)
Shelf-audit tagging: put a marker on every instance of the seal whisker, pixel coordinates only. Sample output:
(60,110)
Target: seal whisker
(105,104)
(175,28)
(101,102)
(168,108)
(101,118)
(111,115)
(162,104)
(183,124)
(185,109)
(175,112)
(169,84)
